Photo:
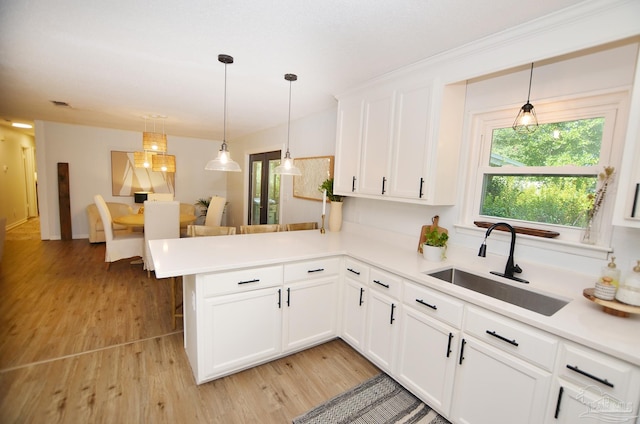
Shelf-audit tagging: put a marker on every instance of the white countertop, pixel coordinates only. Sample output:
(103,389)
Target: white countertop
(581,320)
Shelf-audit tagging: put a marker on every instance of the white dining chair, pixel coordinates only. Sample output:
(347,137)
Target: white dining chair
(214,212)
(161,221)
(121,246)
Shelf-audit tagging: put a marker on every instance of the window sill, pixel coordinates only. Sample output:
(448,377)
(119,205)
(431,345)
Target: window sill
(553,244)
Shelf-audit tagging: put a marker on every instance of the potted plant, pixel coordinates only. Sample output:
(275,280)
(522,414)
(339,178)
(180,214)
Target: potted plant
(435,245)
(203,204)
(335,215)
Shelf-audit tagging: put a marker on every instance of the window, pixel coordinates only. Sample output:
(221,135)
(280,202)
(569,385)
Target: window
(544,179)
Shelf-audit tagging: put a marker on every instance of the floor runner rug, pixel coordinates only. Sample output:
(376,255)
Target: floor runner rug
(380,400)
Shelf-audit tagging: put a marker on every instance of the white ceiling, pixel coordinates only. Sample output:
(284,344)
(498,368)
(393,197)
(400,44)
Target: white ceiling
(116,61)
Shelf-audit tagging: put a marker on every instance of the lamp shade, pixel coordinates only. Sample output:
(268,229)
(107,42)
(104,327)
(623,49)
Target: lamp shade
(164,163)
(156,142)
(223,161)
(287,167)
(526,121)
(143,159)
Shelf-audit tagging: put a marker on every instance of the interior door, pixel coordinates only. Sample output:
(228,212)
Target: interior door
(264,188)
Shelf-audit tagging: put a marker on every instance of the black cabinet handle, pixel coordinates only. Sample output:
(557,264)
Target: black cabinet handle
(449,344)
(591,376)
(420,194)
(464,342)
(354,271)
(309,271)
(384,180)
(558,402)
(288,296)
(393,307)
(504,339)
(361,294)
(255,280)
(279,299)
(353,184)
(380,283)
(635,201)
(422,302)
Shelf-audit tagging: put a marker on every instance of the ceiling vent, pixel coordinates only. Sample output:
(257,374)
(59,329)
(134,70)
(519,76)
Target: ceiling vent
(58,103)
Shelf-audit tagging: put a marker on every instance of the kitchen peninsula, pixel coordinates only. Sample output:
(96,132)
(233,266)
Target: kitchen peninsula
(371,289)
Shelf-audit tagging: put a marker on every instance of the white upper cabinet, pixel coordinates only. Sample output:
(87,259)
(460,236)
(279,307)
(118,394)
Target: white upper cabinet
(388,146)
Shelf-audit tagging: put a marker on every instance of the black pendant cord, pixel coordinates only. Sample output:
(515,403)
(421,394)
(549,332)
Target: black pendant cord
(530,79)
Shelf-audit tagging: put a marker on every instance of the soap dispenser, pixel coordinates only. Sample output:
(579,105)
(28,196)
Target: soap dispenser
(629,292)
(610,274)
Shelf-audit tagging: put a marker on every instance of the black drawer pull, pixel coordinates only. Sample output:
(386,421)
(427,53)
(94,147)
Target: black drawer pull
(558,402)
(315,270)
(279,299)
(288,296)
(353,184)
(393,307)
(255,280)
(382,284)
(361,294)
(464,342)
(420,194)
(504,339)
(354,271)
(422,302)
(449,344)
(591,376)
(384,181)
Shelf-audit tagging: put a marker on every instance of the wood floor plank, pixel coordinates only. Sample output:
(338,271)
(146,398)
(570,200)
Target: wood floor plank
(82,344)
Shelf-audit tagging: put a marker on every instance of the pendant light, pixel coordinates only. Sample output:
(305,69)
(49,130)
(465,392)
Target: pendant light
(526,121)
(287,167)
(223,161)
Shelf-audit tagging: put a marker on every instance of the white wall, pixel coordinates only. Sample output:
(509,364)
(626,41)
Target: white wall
(310,136)
(13,190)
(87,150)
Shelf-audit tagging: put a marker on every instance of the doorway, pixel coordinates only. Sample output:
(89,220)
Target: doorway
(264,188)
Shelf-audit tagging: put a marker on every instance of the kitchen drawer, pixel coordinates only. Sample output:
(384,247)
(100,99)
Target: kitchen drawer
(590,368)
(385,282)
(356,270)
(432,303)
(315,268)
(519,339)
(239,281)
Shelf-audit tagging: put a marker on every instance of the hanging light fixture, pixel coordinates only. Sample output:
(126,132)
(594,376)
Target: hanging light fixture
(223,161)
(287,167)
(526,121)
(163,163)
(143,159)
(152,140)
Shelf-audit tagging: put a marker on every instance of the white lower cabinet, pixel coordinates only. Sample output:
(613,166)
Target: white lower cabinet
(354,303)
(427,363)
(239,330)
(310,313)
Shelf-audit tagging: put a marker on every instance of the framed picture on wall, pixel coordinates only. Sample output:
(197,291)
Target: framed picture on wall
(314,171)
(126,179)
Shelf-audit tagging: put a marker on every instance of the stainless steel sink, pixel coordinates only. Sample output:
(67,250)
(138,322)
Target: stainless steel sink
(536,302)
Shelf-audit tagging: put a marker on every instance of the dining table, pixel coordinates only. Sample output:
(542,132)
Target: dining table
(137,220)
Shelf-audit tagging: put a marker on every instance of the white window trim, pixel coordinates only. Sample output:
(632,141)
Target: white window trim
(613,104)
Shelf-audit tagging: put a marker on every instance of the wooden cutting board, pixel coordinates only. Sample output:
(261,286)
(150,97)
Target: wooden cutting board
(425,228)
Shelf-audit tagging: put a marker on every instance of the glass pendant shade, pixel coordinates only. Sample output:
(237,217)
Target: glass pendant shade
(526,120)
(155,142)
(143,159)
(223,161)
(287,167)
(164,163)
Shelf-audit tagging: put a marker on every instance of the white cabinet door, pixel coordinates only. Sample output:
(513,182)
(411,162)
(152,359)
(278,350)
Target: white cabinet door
(354,313)
(310,312)
(492,386)
(408,168)
(238,330)
(377,127)
(348,141)
(382,329)
(573,404)
(427,358)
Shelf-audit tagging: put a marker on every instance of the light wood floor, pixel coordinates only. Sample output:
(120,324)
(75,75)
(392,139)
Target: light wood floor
(80,344)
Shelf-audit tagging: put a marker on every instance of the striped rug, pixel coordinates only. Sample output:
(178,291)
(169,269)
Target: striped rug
(379,400)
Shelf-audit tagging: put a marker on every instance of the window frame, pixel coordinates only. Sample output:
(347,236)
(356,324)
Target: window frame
(610,105)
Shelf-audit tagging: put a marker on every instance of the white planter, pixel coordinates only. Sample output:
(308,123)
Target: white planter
(335,217)
(433,253)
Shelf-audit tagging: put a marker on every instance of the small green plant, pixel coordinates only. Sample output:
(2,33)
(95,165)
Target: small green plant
(328,185)
(436,238)
(204,205)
